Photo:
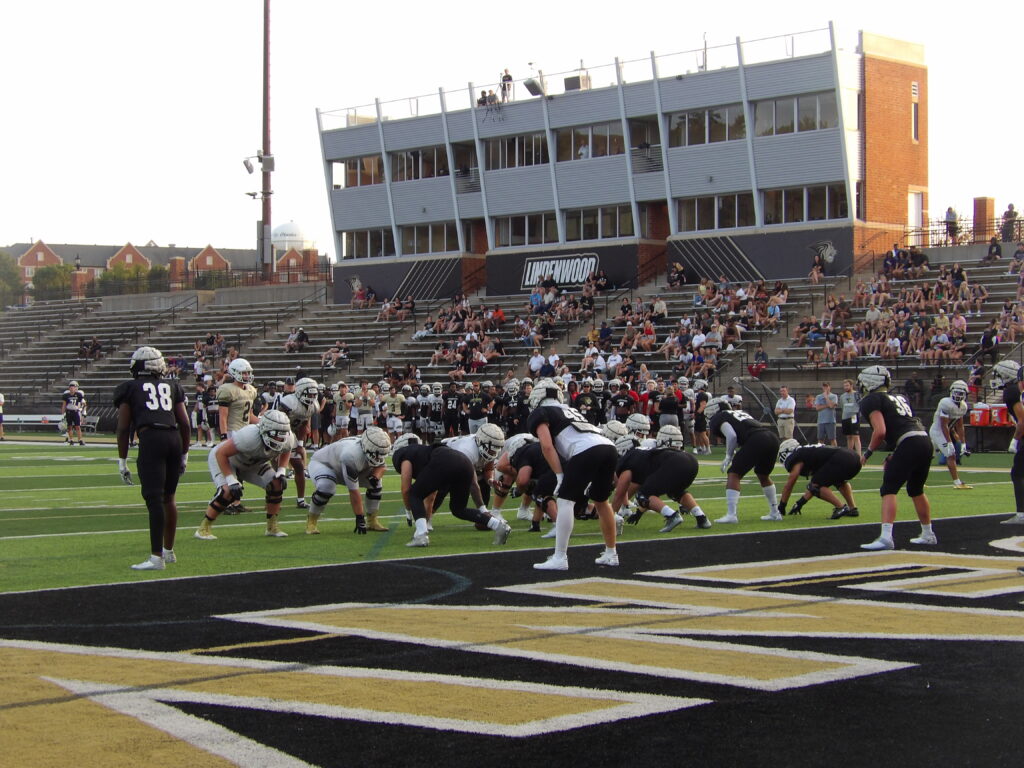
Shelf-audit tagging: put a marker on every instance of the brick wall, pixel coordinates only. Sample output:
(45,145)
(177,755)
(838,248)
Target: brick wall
(895,163)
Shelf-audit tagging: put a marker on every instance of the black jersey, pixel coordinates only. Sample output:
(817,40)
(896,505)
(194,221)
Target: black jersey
(570,432)
(416,453)
(641,463)
(516,410)
(589,405)
(742,423)
(478,403)
(896,411)
(451,402)
(669,404)
(813,457)
(73,401)
(1011,396)
(622,404)
(637,461)
(152,400)
(531,456)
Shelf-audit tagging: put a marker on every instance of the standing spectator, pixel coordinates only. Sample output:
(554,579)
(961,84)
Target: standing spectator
(1009,221)
(952,226)
(849,401)
(506,87)
(785,413)
(825,404)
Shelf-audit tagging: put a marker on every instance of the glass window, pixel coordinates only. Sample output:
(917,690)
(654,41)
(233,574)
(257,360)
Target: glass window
(573,225)
(550,228)
(609,221)
(764,118)
(705,213)
(915,121)
(465,156)
(737,123)
(510,159)
(837,208)
(423,238)
(784,115)
(772,199)
(745,210)
(350,244)
(502,232)
(807,113)
(676,129)
(599,146)
(625,221)
(726,211)
(718,121)
(451,237)
(828,114)
(361,251)
(794,205)
(581,143)
(590,231)
(644,132)
(816,203)
(687,215)
(535,228)
(695,128)
(428,163)
(408,240)
(564,144)
(616,143)
(518,227)
(376,242)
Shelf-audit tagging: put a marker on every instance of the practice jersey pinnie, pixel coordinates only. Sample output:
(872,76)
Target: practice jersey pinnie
(570,432)
(1011,396)
(899,417)
(297,412)
(742,423)
(152,400)
(238,400)
(252,451)
(346,460)
(813,457)
(466,445)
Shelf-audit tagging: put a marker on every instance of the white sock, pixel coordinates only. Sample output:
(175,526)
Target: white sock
(773,501)
(494,523)
(887,531)
(300,498)
(697,512)
(563,526)
(421,526)
(732,501)
(926,528)
(667,511)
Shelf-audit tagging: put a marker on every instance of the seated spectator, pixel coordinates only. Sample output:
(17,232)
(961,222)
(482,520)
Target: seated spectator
(334,353)
(995,251)
(290,342)
(359,298)
(298,343)
(676,275)
(760,363)
(387,310)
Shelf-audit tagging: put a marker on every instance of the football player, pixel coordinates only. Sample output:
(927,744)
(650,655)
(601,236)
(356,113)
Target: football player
(825,466)
(235,398)
(156,408)
(366,404)
(893,424)
(481,448)
(358,462)
(393,402)
(72,408)
(701,398)
(583,461)
(451,409)
(522,471)
(299,406)
(588,403)
(947,430)
(258,454)
(430,473)
(666,471)
(478,405)
(1006,375)
(204,431)
(514,409)
(749,445)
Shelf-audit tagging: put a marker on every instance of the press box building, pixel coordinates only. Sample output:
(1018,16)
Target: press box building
(743,160)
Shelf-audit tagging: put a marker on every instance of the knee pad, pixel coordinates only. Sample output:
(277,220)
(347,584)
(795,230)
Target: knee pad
(375,491)
(320,499)
(278,485)
(643,500)
(220,502)
(815,490)
(273,497)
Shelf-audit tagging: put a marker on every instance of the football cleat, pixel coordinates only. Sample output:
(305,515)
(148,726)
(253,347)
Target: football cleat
(421,540)
(502,533)
(302,504)
(880,543)
(609,557)
(550,534)
(728,519)
(925,538)
(553,563)
(273,530)
(204,535)
(169,556)
(373,524)
(772,516)
(1017,519)
(311,525)
(153,563)
(671,523)
(962,487)
(702,521)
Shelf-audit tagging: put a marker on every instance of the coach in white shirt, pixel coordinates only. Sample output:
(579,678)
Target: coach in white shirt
(785,412)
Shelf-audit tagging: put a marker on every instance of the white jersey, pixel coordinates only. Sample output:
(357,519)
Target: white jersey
(297,412)
(947,410)
(570,431)
(466,445)
(345,460)
(252,457)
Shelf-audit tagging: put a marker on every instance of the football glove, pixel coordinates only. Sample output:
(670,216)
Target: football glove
(235,491)
(634,518)
(559,477)
(360,525)
(184,464)
(797,507)
(1013,446)
(126,475)
(725,464)
(782,507)
(408,517)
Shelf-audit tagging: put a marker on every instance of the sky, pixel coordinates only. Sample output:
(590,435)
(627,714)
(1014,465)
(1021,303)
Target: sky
(128,121)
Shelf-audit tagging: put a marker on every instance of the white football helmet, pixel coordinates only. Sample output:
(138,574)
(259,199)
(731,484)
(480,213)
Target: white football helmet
(1004,372)
(240,370)
(874,377)
(512,387)
(638,425)
(613,430)
(404,439)
(436,388)
(958,391)
(599,385)
(714,405)
(385,388)
(670,436)
(614,384)
(376,445)
(147,360)
(306,390)
(682,382)
(625,444)
(516,443)
(699,385)
(490,439)
(786,448)
(424,389)
(544,390)
(274,429)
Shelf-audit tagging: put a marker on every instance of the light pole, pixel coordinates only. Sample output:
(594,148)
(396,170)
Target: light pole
(266,159)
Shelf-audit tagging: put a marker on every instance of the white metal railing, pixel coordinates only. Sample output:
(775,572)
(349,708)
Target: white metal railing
(704,58)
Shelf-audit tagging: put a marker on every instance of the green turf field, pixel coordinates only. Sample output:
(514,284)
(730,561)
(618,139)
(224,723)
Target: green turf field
(68,520)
